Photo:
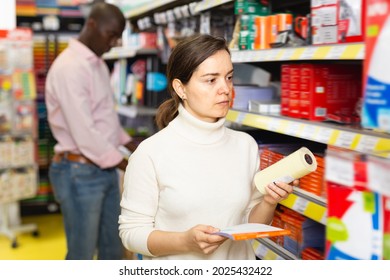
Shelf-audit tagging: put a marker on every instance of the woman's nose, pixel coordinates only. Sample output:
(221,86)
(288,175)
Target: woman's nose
(225,87)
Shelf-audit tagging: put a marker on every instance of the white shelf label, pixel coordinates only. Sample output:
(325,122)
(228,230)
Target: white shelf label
(361,54)
(309,131)
(379,177)
(260,56)
(339,170)
(323,135)
(240,117)
(262,250)
(336,52)
(274,124)
(273,55)
(367,144)
(308,53)
(323,219)
(293,128)
(345,139)
(300,205)
(288,53)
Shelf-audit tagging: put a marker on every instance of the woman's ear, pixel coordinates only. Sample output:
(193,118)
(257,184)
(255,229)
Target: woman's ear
(179,88)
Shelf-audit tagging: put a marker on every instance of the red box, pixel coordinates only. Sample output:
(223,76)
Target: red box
(312,92)
(294,91)
(285,89)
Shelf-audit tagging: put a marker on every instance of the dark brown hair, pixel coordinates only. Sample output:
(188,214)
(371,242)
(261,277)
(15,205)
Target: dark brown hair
(183,61)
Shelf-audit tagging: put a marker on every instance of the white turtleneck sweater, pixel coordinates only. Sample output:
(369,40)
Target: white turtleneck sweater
(191,172)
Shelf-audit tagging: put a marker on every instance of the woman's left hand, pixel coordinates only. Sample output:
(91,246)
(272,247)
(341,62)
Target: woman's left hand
(278,191)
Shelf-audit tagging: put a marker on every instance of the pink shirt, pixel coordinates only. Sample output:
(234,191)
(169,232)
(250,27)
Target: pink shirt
(80,106)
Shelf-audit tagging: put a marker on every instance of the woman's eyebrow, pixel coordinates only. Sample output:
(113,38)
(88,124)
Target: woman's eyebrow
(216,74)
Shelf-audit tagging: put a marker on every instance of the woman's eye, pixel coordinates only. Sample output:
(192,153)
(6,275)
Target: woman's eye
(230,78)
(210,81)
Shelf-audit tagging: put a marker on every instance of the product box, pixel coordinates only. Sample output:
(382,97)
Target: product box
(378,178)
(313,102)
(285,89)
(294,91)
(338,21)
(317,91)
(354,224)
(256,7)
(386,228)
(376,103)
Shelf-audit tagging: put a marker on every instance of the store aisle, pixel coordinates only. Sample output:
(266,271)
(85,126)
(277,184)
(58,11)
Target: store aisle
(49,245)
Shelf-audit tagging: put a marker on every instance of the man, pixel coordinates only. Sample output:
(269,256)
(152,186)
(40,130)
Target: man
(82,118)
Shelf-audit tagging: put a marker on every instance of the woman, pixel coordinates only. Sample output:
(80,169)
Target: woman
(194,176)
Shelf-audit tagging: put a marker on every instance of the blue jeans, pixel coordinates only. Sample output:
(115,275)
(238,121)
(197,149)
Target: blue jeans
(89,199)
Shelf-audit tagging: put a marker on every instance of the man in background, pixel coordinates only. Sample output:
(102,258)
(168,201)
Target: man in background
(83,121)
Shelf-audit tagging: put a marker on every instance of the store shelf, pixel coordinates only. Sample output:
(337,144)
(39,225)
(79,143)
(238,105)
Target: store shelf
(307,204)
(134,12)
(120,52)
(361,140)
(208,4)
(266,249)
(133,111)
(328,52)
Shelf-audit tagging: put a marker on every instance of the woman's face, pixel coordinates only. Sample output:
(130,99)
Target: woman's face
(208,94)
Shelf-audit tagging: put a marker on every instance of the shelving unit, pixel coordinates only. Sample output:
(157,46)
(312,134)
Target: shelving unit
(120,52)
(350,137)
(18,165)
(351,51)
(358,139)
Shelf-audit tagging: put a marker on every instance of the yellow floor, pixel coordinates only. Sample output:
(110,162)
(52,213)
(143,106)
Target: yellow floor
(49,245)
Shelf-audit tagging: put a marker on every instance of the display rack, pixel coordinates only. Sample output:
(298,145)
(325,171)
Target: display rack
(18,166)
(349,137)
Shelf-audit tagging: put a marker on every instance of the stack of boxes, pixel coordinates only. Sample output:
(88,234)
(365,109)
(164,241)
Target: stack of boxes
(319,92)
(307,237)
(352,181)
(337,21)
(258,27)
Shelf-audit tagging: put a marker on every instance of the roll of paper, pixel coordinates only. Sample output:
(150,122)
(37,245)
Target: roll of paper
(291,167)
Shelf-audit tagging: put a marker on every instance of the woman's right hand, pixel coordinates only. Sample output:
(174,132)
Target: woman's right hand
(200,239)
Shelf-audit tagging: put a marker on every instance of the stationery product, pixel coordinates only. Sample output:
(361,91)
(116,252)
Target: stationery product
(252,231)
(291,167)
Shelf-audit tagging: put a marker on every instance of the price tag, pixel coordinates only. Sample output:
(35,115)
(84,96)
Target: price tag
(339,170)
(249,56)
(128,111)
(323,135)
(240,117)
(235,56)
(260,56)
(367,144)
(241,56)
(323,219)
(287,54)
(308,53)
(293,128)
(379,176)
(261,250)
(361,54)
(345,139)
(274,124)
(274,55)
(309,131)
(300,205)
(336,52)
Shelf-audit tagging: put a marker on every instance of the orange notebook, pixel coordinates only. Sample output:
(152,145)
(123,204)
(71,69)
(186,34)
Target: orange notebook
(252,231)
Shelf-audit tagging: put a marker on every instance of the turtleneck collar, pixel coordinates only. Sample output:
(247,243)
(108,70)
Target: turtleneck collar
(196,130)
